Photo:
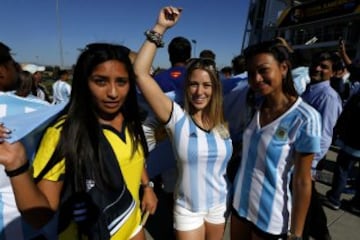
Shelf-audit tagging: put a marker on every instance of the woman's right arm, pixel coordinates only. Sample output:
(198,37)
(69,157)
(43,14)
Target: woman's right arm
(158,101)
(37,203)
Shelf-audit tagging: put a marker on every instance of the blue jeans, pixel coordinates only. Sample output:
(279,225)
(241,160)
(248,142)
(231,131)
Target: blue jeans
(344,163)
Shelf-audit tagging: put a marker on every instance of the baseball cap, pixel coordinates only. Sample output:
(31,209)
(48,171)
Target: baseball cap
(32,68)
(4,53)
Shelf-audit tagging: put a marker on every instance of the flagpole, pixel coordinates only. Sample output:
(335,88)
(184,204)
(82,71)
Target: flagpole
(194,42)
(59,34)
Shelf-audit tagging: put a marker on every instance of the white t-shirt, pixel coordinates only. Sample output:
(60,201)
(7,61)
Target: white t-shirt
(61,91)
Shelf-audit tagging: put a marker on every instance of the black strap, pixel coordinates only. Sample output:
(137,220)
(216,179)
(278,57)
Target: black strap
(51,163)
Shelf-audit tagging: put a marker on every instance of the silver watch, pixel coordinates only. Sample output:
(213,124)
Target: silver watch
(149,184)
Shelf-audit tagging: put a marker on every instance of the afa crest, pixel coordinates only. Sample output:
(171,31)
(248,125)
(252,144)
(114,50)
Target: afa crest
(281,133)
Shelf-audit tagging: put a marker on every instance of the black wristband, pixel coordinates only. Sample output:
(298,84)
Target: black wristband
(18,171)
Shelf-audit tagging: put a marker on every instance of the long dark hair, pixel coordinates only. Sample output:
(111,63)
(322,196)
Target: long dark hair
(79,140)
(281,54)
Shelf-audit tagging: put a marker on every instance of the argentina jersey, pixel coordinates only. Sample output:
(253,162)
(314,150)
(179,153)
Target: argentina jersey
(202,158)
(261,187)
(61,92)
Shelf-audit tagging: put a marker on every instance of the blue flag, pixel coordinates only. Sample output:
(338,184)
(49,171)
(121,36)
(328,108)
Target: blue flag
(27,119)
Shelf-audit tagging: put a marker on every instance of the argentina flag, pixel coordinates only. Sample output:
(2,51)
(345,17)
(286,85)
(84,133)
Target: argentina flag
(26,118)
(10,104)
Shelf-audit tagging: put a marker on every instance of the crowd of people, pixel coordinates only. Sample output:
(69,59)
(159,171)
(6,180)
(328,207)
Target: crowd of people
(243,144)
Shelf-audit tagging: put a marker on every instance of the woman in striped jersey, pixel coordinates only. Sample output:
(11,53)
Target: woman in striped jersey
(280,140)
(199,136)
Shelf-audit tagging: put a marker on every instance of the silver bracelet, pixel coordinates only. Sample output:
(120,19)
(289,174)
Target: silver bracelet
(155,38)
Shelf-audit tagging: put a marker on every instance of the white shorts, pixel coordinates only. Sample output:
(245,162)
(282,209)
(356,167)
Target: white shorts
(186,220)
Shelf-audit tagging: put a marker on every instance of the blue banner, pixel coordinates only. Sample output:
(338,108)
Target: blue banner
(27,119)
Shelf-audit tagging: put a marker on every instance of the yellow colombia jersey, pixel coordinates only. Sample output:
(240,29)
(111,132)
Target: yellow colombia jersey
(131,167)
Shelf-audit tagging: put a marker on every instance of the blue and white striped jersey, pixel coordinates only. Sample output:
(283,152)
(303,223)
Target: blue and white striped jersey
(202,158)
(61,91)
(261,187)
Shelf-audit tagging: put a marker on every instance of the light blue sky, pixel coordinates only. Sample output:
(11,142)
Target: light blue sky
(30,27)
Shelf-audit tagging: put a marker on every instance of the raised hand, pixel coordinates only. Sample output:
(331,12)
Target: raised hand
(169,16)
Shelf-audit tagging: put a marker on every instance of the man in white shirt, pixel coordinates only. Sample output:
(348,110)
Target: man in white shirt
(61,88)
(38,89)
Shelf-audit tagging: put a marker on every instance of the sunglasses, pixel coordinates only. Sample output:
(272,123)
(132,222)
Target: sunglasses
(206,63)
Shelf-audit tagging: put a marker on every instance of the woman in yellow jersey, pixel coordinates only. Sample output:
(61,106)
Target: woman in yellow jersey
(90,163)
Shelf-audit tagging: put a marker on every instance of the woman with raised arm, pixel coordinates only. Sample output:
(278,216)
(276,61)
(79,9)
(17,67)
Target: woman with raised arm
(199,135)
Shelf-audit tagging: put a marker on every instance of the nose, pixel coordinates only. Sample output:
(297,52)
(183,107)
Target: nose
(255,78)
(199,89)
(112,90)
(318,68)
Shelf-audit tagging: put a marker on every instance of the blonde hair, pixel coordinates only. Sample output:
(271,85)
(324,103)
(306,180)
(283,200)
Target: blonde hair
(214,115)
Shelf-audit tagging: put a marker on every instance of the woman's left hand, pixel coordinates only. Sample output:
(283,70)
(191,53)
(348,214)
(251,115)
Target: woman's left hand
(4,133)
(12,156)
(149,200)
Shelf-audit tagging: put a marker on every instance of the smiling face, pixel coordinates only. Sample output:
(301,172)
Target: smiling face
(109,86)
(200,89)
(321,71)
(266,74)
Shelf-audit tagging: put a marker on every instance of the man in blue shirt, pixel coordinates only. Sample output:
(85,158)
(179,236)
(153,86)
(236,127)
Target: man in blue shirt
(239,78)
(320,95)
(172,79)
